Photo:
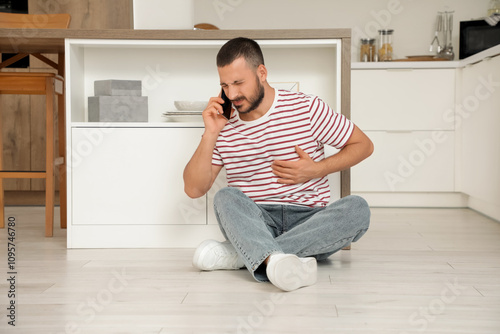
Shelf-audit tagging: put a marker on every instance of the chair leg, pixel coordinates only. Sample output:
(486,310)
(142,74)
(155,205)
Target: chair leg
(2,199)
(49,164)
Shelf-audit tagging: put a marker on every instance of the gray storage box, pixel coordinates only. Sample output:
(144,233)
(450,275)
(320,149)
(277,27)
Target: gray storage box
(118,108)
(117,87)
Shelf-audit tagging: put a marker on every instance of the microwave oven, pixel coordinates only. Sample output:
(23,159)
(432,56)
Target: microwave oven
(477,36)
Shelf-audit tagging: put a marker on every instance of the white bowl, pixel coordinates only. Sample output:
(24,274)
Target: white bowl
(190,105)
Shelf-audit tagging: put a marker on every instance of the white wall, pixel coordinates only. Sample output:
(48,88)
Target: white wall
(412,20)
(163,14)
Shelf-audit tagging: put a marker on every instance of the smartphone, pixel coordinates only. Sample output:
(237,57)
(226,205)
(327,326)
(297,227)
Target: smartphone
(226,106)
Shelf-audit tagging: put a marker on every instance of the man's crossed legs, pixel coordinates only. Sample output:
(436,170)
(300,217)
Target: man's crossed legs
(280,243)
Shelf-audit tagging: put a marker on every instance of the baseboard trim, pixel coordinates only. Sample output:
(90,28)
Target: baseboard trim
(415,199)
(488,209)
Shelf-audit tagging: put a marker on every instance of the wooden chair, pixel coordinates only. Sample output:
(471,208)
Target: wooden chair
(50,85)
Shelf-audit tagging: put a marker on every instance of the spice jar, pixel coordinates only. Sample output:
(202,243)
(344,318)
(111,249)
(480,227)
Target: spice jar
(367,49)
(385,45)
(494,7)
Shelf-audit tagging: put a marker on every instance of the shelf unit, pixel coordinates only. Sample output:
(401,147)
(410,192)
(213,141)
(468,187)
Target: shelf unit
(125,179)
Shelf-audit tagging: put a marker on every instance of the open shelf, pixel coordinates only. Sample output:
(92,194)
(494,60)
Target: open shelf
(186,70)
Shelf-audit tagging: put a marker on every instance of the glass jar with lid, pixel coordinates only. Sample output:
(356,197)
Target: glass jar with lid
(367,50)
(385,50)
(494,7)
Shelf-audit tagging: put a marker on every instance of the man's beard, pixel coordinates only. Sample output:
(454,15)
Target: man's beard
(255,101)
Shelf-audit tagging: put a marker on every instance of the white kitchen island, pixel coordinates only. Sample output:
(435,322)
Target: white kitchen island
(125,187)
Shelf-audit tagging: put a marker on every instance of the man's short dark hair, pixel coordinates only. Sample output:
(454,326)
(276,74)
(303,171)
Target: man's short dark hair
(240,47)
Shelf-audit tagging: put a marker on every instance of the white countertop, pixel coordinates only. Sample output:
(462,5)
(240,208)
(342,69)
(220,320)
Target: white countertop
(165,124)
(491,52)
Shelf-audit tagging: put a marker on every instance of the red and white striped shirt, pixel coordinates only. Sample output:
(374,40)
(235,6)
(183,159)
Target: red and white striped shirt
(247,149)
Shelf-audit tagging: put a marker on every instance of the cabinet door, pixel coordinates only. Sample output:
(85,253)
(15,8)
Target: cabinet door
(478,117)
(133,176)
(420,161)
(403,99)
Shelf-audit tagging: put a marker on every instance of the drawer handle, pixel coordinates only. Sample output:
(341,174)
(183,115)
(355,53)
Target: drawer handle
(399,69)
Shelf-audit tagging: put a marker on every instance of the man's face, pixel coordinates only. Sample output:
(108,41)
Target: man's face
(242,85)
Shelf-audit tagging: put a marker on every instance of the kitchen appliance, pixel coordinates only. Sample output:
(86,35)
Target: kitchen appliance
(477,36)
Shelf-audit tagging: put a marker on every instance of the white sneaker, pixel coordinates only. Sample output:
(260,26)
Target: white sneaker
(215,255)
(290,272)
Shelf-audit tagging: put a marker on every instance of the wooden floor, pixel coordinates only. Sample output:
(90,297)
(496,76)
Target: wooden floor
(415,271)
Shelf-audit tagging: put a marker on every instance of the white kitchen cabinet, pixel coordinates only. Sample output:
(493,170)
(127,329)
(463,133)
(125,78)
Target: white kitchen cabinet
(403,99)
(125,186)
(478,118)
(414,161)
(133,176)
(409,115)
(402,105)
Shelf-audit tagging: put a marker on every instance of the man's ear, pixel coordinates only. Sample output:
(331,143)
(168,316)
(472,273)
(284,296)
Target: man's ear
(262,72)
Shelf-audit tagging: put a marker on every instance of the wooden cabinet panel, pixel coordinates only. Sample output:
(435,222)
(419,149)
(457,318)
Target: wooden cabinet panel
(37,135)
(15,127)
(23,130)
(89,14)
(37,65)
(16,138)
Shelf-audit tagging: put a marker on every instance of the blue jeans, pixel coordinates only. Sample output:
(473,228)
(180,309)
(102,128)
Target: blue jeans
(257,231)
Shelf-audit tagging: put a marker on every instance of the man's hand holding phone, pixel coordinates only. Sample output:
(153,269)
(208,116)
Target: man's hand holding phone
(199,173)
(217,113)
(227,106)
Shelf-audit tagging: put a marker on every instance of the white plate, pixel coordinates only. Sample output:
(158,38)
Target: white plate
(190,105)
(182,113)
